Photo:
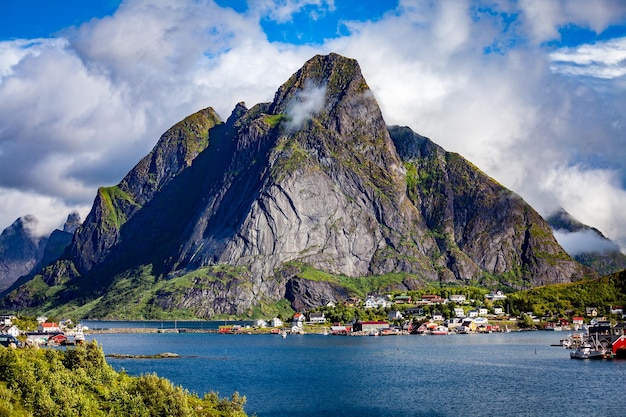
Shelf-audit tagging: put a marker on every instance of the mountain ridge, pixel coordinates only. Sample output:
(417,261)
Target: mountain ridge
(315,179)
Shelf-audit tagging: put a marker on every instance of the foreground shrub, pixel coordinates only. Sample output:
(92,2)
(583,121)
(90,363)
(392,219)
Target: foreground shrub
(79,382)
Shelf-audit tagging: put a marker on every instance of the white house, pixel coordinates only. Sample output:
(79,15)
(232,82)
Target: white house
(457,298)
(298,320)
(6,320)
(437,316)
(495,295)
(10,329)
(276,322)
(482,311)
(498,311)
(472,313)
(376,301)
(395,315)
(458,312)
(317,318)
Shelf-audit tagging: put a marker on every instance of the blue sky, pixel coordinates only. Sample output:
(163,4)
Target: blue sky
(531,91)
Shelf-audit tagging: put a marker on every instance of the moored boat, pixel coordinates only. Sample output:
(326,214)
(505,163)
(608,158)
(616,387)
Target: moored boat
(591,349)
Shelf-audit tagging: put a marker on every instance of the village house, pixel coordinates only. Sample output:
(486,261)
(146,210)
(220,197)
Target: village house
(341,330)
(370,326)
(591,311)
(10,329)
(472,314)
(457,298)
(467,326)
(428,299)
(403,299)
(578,321)
(482,311)
(317,318)
(297,323)
(459,312)
(437,316)
(352,302)
(298,320)
(495,295)
(395,315)
(6,320)
(453,323)
(498,311)
(276,322)
(617,310)
(414,311)
(48,328)
(376,302)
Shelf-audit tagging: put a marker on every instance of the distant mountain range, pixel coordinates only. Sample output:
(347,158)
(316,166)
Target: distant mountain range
(308,199)
(23,251)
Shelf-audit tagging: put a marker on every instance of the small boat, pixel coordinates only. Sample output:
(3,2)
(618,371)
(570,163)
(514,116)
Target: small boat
(591,349)
(283,335)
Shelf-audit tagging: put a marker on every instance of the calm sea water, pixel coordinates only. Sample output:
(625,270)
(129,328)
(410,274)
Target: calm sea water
(515,374)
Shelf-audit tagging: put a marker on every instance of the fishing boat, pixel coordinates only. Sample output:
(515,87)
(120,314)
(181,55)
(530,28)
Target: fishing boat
(591,349)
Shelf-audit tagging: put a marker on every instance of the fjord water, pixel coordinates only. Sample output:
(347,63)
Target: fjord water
(515,374)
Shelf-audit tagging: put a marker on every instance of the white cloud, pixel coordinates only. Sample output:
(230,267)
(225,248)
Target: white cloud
(50,212)
(283,10)
(601,60)
(542,19)
(594,194)
(584,241)
(304,105)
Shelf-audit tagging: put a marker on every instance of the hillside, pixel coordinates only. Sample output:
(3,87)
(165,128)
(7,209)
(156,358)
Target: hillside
(601,293)
(299,201)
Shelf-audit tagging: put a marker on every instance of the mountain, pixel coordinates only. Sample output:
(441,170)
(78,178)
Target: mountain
(20,250)
(59,240)
(587,244)
(305,200)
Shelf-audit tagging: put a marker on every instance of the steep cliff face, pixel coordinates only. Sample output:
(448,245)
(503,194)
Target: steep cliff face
(114,206)
(59,240)
(484,231)
(232,215)
(323,185)
(20,250)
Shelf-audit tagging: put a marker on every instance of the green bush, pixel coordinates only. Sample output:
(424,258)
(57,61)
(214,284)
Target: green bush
(79,382)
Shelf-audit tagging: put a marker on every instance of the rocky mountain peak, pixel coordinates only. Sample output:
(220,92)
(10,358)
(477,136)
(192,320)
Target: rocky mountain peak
(72,223)
(314,180)
(20,249)
(26,224)
(325,78)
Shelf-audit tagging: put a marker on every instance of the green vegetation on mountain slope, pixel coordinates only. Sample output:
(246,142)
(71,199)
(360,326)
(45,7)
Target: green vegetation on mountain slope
(601,293)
